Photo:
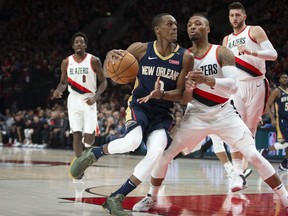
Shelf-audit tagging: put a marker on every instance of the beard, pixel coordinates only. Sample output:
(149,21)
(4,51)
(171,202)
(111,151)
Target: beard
(194,38)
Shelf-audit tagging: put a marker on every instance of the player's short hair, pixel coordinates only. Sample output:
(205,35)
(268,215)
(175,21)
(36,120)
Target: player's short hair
(200,14)
(158,19)
(236,5)
(79,34)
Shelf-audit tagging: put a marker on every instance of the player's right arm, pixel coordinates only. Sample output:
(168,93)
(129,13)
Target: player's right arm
(63,80)
(270,105)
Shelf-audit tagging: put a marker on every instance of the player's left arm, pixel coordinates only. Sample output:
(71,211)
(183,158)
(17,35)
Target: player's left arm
(97,67)
(267,51)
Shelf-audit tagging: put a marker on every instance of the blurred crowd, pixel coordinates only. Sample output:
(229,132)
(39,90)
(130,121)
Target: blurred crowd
(35,37)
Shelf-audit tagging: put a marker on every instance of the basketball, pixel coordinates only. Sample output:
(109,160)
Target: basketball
(124,70)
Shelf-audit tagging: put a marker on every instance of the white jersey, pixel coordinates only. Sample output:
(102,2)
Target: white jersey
(81,76)
(252,68)
(207,99)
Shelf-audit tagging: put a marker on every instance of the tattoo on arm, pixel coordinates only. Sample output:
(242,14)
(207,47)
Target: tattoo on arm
(226,57)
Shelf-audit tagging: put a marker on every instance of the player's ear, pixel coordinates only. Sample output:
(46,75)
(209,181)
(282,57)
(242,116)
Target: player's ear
(156,29)
(208,29)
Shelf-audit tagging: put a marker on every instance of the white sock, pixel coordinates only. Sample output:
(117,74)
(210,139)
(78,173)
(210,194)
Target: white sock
(238,166)
(282,193)
(228,167)
(153,191)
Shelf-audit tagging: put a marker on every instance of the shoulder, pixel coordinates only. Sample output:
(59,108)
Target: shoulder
(65,60)
(94,59)
(257,33)
(138,49)
(188,54)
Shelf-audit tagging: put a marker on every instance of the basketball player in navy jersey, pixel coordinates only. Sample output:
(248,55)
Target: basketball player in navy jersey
(80,72)
(162,62)
(207,92)
(277,108)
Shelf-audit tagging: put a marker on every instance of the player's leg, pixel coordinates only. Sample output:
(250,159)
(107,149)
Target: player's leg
(182,139)
(265,169)
(156,144)
(221,153)
(131,141)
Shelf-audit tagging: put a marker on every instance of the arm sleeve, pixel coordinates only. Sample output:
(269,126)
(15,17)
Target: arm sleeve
(229,83)
(267,51)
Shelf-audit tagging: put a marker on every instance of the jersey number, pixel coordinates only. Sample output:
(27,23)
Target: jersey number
(83,78)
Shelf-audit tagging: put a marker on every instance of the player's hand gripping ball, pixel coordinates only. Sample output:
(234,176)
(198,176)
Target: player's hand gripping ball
(124,70)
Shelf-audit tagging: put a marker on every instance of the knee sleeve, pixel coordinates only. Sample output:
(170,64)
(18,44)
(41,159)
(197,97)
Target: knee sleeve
(129,142)
(156,144)
(264,168)
(218,144)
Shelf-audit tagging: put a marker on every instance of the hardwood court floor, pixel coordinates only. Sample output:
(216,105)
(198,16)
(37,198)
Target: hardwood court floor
(36,183)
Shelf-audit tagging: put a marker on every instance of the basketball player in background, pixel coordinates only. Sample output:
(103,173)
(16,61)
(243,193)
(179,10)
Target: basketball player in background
(209,111)
(162,63)
(80,72)
(277,108)
(251,48)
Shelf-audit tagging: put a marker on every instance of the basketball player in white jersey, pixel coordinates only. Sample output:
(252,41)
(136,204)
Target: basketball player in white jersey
(251,48)
(209,111)
(80,72)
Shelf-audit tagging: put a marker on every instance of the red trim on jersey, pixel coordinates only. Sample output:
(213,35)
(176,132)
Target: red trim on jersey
(240,31)
(93,69)
(77,87)
(217,51)
(204,53)
(250,35)
(247,67)
(73,56)
(208,98)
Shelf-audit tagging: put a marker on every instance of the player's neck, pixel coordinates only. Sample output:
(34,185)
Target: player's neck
(239,29)
(200,49)
(80,56)
(165,49)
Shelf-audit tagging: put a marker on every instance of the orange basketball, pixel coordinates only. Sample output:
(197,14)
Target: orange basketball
(124,70)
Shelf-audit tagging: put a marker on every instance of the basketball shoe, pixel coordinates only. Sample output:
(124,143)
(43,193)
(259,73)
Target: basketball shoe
(145,204)
(81,163)
(237,183)
(113,205)
(247,172)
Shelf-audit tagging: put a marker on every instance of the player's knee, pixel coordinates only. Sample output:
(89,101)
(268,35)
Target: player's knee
(254,157)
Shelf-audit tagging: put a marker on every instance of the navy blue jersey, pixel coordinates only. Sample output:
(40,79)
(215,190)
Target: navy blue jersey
(153,65)
(281,104)
(281,112)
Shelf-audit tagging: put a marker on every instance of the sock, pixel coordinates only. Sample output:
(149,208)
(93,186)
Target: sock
(125,189)
(282,193)
(153,192)
(98,152)
(238,167)
(228,167)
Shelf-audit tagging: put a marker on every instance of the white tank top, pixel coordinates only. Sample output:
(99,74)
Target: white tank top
(210,66)
(81,77)
(250,67)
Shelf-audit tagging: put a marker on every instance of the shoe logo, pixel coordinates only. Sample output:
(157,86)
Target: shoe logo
(258,85)
(151,58)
